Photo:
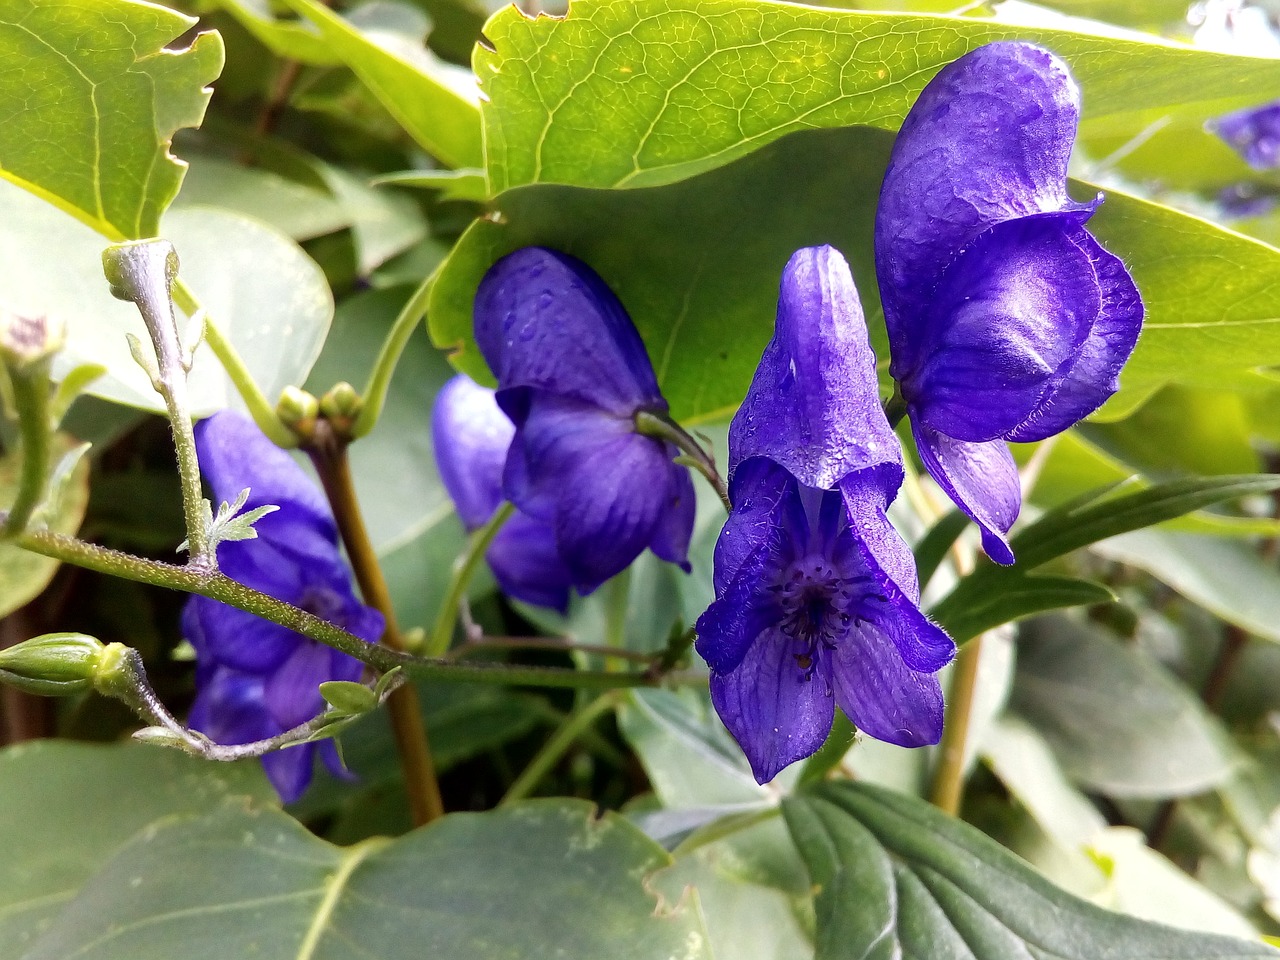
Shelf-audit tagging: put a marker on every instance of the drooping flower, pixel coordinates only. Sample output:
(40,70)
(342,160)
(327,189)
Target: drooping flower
(1253,133)
(471,436)
(816,593)
(254,678)
(1007,320)
(572,376)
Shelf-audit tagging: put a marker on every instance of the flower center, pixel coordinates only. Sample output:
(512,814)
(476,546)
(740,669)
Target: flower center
(819,605)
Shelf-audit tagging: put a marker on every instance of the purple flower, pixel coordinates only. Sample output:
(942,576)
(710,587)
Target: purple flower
(1253,133)
(816,593)
(255,679)
(1007,320)
(471,436)
(572,376)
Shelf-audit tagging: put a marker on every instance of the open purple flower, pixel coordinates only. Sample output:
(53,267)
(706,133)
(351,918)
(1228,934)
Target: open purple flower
(254,678)
(1006,318)
(572,376)
(1253,133)
(816,593)
(471,436)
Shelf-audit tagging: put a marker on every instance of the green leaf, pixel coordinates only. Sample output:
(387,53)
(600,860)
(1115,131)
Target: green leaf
(95,139)
(287,39)
(24,574)
(899,877)
(436,103)
(1118,722)
(967,613)
(654,91)
(70,806)
(1226,577)
(267,296)
(465,184)
(545,875)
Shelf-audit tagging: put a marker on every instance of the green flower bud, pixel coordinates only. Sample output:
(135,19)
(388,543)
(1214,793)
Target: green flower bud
(298,411)
(341,405)
(53,665)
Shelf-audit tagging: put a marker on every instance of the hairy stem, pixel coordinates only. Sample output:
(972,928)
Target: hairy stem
(329,454)
(31,398)
(216,586)
(546,758)
(463,569)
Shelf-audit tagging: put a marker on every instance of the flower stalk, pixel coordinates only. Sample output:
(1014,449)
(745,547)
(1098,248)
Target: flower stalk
(27,347)
(662,427)
(463,569)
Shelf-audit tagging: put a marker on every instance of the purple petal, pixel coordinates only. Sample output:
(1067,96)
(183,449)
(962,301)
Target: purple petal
(230,707)
(546,321)
(1009,319)
(814,404)
(1094,372)
(982,480)
(766,500)
(290,770)
(880,694)
(527,564)
(235,454)
(775,713)
(670,540)
(988,140)
(235,638)
(606,488)
(866,498)
(746,607)
(1253,133)
(470,435)
(293,691)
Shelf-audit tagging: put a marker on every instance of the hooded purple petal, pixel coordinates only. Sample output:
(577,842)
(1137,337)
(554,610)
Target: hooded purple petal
(1253,133)
(880,694)
(988,140)
(775,713)
(470,435)
(606,488)
(546,321)
(813,405)
(982,480)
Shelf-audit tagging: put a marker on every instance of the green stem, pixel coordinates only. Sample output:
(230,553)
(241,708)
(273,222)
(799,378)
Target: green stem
(546,643)
(329,454)
(725,827)
(948,782)
(263,413)
(375,391)
(31,398)
(216,586)
(144,272)
(546,758)
(463,568)
(662,427)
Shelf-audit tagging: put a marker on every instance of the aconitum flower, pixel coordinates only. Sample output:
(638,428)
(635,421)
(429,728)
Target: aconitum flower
(572,376)
(1253,133)
(1006,318)
(471,436)
(816,593)
(254,678)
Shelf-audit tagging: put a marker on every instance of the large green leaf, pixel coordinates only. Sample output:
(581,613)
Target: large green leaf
(70,806)
(87,126)
(897,877)
(267,296)
(435,102)
(1226,577)
(649,92)
(543,878)
(705,307)
(1118,722)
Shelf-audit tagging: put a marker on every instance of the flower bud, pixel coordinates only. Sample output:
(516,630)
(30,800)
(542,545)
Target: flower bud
(298,410)
(53,665)
(26,341)
(342,404)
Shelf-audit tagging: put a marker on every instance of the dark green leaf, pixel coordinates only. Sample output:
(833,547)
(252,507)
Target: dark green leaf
(541,876)
(897,877)
(1118,722)
(69,806)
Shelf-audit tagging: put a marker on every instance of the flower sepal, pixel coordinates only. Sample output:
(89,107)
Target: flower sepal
(53,665)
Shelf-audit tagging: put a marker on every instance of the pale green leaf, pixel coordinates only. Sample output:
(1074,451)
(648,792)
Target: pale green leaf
(87,126)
